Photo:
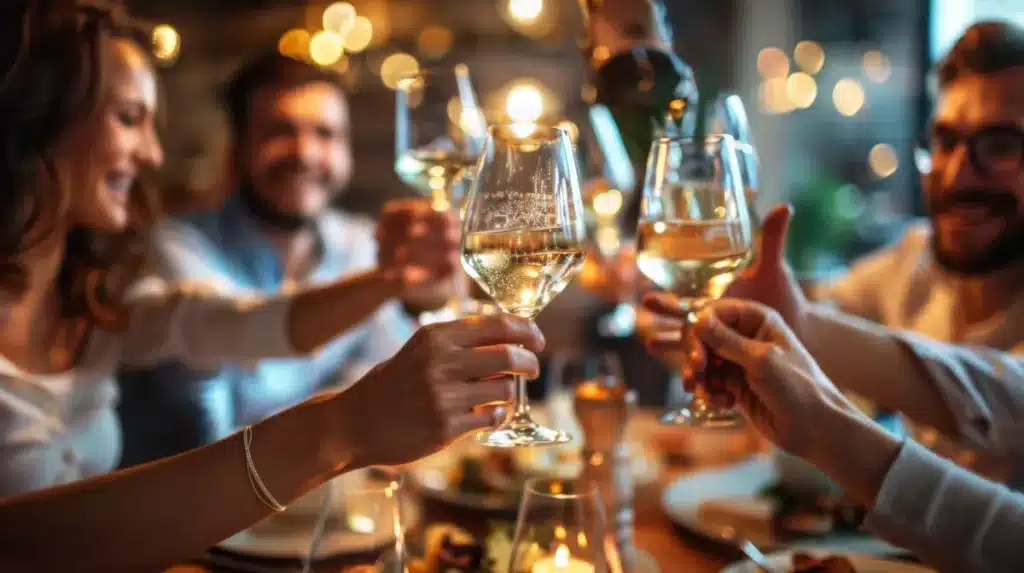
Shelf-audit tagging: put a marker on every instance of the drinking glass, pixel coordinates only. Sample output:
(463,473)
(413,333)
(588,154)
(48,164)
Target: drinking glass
(728,116)
(560,529)
(695,235)
(366,505)
(523,242)
(439,133)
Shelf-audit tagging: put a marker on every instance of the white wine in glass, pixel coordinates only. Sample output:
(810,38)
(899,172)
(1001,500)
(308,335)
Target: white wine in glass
(434,173)
(694,236)
(523,241)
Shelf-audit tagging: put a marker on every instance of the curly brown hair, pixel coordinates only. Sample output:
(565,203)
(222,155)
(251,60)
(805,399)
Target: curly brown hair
(51,76)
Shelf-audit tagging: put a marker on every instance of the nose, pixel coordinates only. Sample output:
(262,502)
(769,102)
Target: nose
(307,149)
(151,153)
(959,170)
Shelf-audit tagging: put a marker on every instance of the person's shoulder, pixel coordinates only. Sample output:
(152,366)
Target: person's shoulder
(195,229)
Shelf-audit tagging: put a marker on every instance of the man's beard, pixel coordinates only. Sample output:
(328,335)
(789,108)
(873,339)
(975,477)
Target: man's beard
(269,214)
(1005,250)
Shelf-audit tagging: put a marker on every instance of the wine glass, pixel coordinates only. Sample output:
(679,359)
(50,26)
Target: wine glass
(366,505)
(561,528)
(439,133)
(694,236)
(523,241)
(728,116)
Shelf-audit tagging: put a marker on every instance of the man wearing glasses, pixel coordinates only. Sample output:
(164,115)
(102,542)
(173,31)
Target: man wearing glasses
(944,343)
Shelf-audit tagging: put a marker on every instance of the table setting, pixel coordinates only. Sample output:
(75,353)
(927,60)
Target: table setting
(584,482)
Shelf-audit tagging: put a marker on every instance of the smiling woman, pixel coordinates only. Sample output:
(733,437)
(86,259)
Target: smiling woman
(78,135)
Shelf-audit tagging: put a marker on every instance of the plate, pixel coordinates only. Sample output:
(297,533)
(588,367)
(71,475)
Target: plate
(432,475)
(862,563)
(288,535)
(682,498)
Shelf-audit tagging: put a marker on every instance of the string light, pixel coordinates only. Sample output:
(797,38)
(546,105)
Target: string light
(166,43)
(326,48)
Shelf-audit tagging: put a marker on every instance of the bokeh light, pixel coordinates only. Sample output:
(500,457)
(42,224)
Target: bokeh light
(360,36)
(801,90)
(848,96)
(809,56)
(876,66)
(434,41)
(774,96)
(326,48)
(883,160)
(772,63)
(398,66)
(524,103)
(339,18)
(294,43)
(525,10)
(166,43)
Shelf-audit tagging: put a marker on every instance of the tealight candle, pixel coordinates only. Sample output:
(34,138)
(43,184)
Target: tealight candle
(562,562)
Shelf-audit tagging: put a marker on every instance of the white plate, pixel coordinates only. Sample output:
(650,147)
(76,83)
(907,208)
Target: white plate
(290,537)
(783,561)
(682,498)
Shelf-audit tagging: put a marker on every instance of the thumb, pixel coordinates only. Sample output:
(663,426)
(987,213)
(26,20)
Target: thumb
(774,229)
(725,341)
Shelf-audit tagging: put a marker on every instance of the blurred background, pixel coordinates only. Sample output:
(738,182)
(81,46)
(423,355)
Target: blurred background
(838,90)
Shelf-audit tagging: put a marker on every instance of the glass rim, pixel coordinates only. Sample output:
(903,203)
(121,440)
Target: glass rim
(539,131)
(582,488)
(388,478)
(689,139)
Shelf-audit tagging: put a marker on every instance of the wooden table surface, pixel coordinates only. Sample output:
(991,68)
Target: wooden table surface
(674,548)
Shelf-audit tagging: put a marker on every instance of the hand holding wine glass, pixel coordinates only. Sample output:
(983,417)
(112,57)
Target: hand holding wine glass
(694,236)
(523,241)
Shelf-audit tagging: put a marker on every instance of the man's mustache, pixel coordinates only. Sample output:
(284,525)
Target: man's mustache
(998,201)
(288,168)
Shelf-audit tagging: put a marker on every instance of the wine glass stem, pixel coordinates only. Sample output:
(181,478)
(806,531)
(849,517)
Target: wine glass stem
(522,407)
(690,312)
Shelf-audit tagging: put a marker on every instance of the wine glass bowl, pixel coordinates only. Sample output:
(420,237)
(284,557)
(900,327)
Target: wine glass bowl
(523,241)
(439,132)
(560,527)
(694,236)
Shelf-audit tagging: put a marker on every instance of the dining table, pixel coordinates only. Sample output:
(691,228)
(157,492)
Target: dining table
(674,548)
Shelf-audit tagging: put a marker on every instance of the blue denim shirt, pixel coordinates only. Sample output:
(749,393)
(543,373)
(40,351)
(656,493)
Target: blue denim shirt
(169,409)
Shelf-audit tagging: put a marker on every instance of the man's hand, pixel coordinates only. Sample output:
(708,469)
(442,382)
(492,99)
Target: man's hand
(769,281)
(421,246)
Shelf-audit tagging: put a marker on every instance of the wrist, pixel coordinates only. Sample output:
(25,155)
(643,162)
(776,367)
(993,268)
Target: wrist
(855,452)
(334,422)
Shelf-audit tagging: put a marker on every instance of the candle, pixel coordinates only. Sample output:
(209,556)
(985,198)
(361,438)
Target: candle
(562,562)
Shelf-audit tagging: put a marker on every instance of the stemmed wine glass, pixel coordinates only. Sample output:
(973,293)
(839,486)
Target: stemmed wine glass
(439,133)
(695,235)
(523,241)
(727,115)
(561,527)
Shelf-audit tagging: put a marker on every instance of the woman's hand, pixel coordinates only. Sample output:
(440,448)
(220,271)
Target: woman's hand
(444,383)
(421,246)
(782,391)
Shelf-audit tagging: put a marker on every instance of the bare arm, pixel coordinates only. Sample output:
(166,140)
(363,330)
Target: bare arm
(149,516)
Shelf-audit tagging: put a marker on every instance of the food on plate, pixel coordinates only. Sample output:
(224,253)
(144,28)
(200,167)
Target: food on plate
(770,519)
(450,549)
(804,563)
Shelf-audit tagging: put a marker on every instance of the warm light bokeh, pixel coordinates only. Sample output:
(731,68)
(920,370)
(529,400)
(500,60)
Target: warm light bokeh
(801,89)
(339,18)
(772,63)
(524,103)
(326,48)
(848,96)
(294,43)
(166,43)
(876,66)
(398,66)
(360,36)
(809,56)
(883,160)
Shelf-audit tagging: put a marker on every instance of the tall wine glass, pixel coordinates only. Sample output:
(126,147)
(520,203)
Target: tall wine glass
(728,116)
(694,237)
(561,528)
(523,241)
(439,133)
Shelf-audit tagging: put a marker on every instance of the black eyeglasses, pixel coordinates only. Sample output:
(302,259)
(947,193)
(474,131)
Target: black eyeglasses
(993,151)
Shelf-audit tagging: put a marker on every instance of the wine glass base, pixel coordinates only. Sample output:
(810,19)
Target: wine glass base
(701,418)
(521,435)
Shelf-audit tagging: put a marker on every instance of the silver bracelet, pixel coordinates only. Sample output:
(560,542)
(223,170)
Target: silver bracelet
(254,476)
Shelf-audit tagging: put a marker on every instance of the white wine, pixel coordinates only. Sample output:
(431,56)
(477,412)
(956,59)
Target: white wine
(695,260)
(522,270)
(433,173)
